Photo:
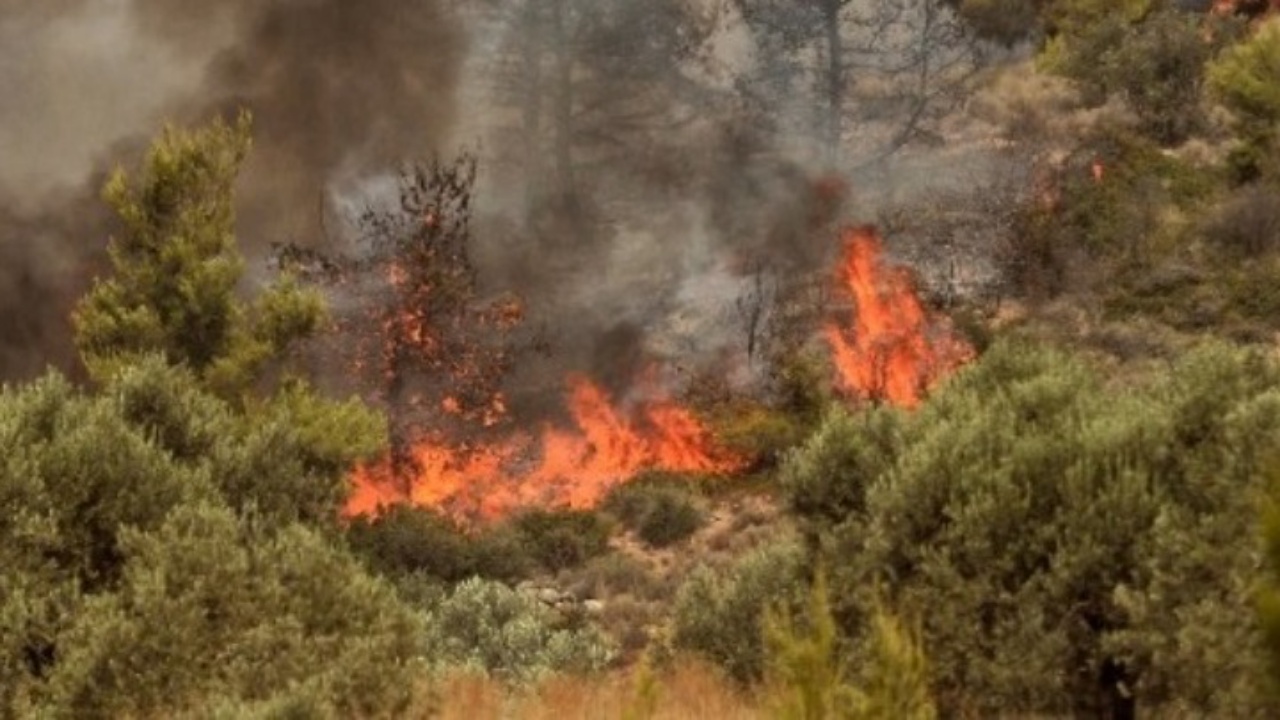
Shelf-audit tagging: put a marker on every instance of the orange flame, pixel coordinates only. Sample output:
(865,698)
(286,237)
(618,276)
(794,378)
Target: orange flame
(575,467)
(895,351)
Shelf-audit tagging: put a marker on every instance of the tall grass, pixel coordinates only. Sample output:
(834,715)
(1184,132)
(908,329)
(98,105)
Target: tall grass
(687,690)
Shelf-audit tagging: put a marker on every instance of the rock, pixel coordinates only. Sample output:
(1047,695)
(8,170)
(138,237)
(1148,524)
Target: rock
(550,596)
(593,607)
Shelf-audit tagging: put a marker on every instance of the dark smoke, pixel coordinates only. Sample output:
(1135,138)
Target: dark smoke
(337,89)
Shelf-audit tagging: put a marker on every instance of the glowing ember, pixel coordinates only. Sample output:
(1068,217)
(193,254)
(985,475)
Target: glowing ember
(895,350)
(566,467)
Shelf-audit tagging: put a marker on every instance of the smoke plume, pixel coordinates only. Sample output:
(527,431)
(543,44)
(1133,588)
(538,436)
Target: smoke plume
(336,88)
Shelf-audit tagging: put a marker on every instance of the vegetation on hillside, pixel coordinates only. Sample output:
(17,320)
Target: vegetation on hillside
(1084,521)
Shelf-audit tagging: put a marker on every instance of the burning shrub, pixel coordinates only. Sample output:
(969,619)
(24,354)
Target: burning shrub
(488,626)
(660,513)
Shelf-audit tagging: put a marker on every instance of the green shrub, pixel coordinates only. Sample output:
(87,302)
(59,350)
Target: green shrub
(409,540)
(487,626)
(559,539)
(660,514)
(1067,542)
(807,679)
(1156,64)
(1246,77)
(718,614)
(1248,223)
(757,432)
(209,608)
(619,573)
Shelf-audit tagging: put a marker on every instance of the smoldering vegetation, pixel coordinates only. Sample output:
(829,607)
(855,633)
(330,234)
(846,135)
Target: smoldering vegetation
(648,171)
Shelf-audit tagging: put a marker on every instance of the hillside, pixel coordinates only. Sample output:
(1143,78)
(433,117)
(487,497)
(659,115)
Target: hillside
(676,359)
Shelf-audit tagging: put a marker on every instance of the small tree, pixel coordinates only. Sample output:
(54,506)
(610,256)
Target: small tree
(420,337)
(176,267)
(807,680)
(1247,79)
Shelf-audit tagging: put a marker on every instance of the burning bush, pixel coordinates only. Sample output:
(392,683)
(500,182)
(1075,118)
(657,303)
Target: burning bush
(895,350)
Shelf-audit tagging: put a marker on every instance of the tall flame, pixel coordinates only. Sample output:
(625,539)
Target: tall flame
(573,467)
(895,351)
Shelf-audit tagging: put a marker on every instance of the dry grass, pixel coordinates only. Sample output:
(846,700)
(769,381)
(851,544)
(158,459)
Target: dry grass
(686,691)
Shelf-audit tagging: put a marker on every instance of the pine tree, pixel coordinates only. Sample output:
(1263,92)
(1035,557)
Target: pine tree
(176,267)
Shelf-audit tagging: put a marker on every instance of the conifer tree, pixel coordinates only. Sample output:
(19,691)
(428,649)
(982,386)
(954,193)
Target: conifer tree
(176,265)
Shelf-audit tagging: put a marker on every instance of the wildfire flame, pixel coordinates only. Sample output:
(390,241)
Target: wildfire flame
(895,351)
(573,467)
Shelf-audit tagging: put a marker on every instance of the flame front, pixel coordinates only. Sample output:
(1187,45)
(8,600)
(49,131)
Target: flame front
(573,467)
(895,351)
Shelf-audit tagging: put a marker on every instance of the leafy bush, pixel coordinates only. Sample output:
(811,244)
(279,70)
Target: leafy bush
(1060,537)
(209,608)
(1246,77)
(487,626)
(718,614)
(806,677)
(559,539)
(1153,60)
(758,432)
(90,482)
(409,540)
(619,573)
(1248,223)
(660,514)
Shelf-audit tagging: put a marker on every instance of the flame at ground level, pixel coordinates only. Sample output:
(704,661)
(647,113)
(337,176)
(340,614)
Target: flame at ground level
(895,351)
(564,467)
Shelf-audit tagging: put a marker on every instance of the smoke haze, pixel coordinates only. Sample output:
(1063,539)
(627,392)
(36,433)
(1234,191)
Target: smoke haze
(337,88)
(683,194)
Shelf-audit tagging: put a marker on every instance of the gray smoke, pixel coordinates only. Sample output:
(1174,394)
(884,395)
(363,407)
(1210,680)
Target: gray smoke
(337,88)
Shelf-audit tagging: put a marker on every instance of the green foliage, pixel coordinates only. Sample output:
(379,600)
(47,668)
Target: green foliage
(559,539)
(212,607)
(1155,62)
(176,266)
(486,625)
(757,431)
(1246,77)
(807,680)
(894,678)
(150,541)
(827,482)
(1247,224)
(661,514)
(803,672)
(643,703)
(1055,533)
(717,614)
(408,540)
(1269,593)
